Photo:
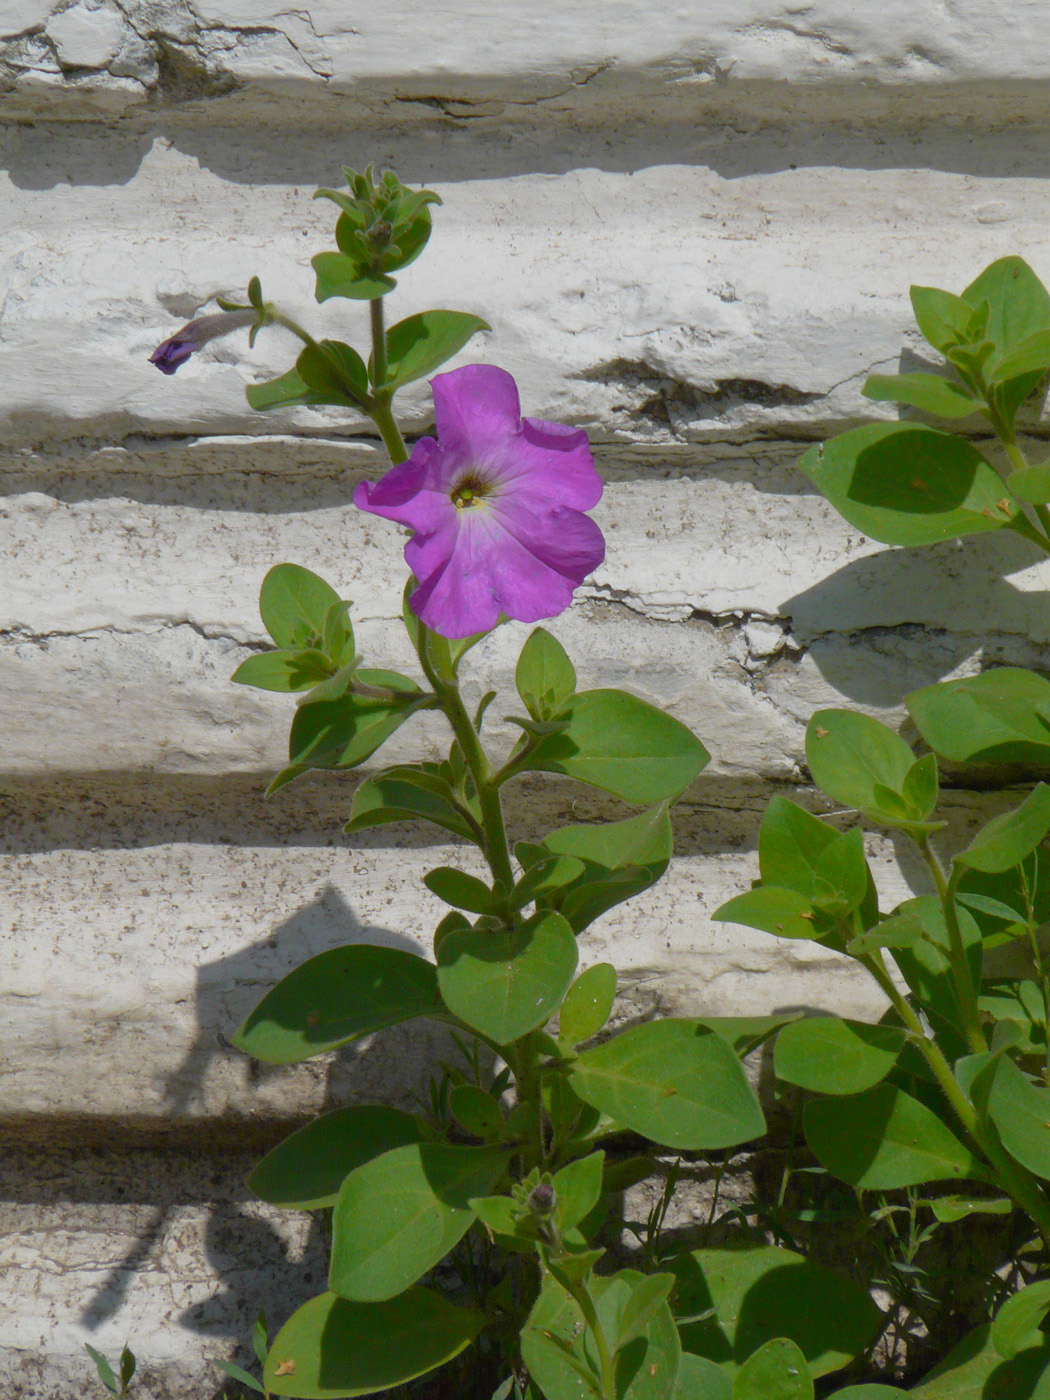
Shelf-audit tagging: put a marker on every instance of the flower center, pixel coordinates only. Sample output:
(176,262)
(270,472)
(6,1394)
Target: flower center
(470,491)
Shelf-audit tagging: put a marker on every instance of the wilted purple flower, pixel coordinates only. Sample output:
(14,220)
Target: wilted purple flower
(495,504)
(178,348)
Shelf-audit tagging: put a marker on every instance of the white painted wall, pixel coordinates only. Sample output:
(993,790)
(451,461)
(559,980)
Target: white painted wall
(692,229)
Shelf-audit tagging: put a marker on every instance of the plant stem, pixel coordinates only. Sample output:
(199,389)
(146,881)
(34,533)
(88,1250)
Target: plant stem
(1015,1180)
(964,986)
(379,411)
(581,1296)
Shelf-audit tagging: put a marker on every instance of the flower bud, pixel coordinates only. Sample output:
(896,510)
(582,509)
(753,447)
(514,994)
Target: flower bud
(543,1200)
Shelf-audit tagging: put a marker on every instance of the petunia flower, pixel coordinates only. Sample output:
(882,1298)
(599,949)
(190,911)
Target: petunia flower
(495,505)
(178,348)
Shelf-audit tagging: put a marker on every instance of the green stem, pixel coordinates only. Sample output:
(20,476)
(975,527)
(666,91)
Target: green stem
(375,308)
(382,417)
(581,1295)
(1015,1180)
(964,986)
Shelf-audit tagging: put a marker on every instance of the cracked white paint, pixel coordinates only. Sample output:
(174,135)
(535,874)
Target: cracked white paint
(692,230)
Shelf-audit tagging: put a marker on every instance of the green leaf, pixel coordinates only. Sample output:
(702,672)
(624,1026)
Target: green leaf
(238,1373)
(475,1110)
(260,1343)
(587,1005)
(620,860)
(700,1379)
(746,1033)
(646,1297)
(1031,483)
(336,997)
(884,1139)
(407,794)
(760,1292)
(790,843)
(420,344)
(459,889)
(930,392)
(777,1371)
(949,1209)
(505,982)
(306,1170)
(294,604)
(850,754)
(974,1370)
(1019,305)
(545,677)
(578,1188)
(830,1056)
(288,390)
(104,1369)
(869,1392)
(903,483)
(841,875)
(548,877)
(340,276)
(344,732)
(673,1081)
(996,717)
(1017,1323)
(1020,1111)
(621,744)
(943,318)
(331,1348)
(920,789)
(646,1369)
(924,962)
(334,369)
(283,670)
(1028,356)
(783,913)
(400,1214)
(1008,838)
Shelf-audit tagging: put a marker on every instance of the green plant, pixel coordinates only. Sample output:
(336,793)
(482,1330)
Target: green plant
(126,1368)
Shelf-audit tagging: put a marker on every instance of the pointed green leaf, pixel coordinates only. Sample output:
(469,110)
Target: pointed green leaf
(340,276)
(974,1370)
(1020,1111)
(549,877)
(673,1081)
(104,1369)
(1028,356)
(1019,304)
(1017,1323)
(459,889)
(783,913)
(420,344)
(578,1188)
(1007,839)
(621,744)
(906,484)
(407,794)
(306,1170)
(332,368)
(830,1056)
(336,997)
(758,1292)
(294,603)
(949,1209)
(505,982)
(588,1004)
(746,1033)
(849,754)
(790,843)
(332,1348)
(930,392)
(996,717)
(646,1370)
(700,1379)
(344,732)
(283,670)
(288,390)
(400,1214)
(545,677)
(884,1139)
(777,1371)
(238,1373)
(646,1297)
(475,1110)
(620,859)
(943,318)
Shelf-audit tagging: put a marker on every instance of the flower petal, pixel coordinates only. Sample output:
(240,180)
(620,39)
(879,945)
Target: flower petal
(477,413)
(413,493)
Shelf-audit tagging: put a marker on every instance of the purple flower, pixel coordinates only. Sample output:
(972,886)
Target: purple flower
(495,505)
(178,348)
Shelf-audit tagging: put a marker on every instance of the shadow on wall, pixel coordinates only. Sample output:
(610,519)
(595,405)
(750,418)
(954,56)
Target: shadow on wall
(256,1263)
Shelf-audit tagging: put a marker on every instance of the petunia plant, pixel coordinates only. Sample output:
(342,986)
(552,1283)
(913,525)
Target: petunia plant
(548,1113)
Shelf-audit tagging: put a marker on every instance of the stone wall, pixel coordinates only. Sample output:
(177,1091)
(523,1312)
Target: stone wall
(692,231)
